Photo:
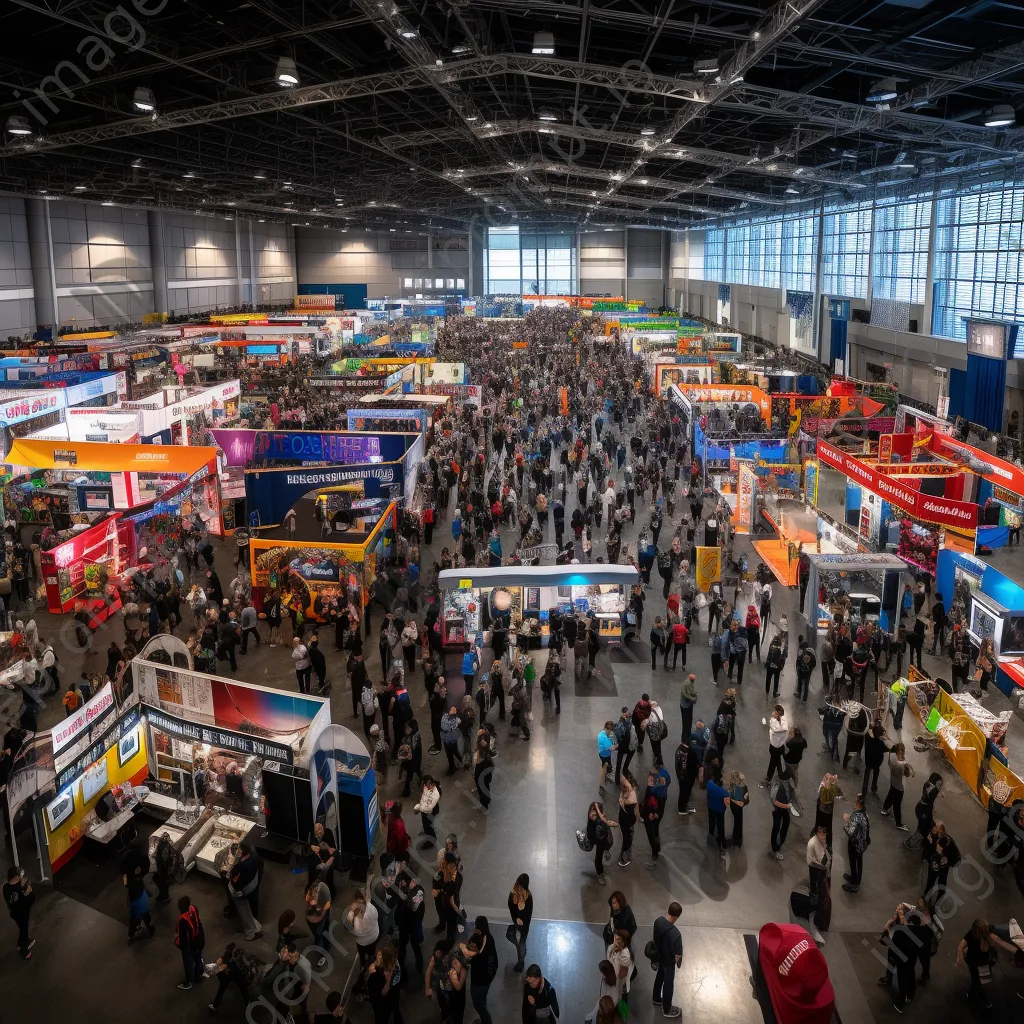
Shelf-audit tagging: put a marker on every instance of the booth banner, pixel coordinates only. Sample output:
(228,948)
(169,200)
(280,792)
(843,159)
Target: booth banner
(339,383)
(446,373)
(746,483)
(919,469)
(97,457)
(358,418)
(77,725)
(17,407)
(885,448)
(708,568)
(316,574)
(195,732)
(339,754)
(926,507)
(471,393)
(306,446)
(78,760)
(238,446)
(811,481)
(996,471)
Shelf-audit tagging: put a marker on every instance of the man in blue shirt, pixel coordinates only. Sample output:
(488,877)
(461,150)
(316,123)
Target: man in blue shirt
(718,800)
(470,666)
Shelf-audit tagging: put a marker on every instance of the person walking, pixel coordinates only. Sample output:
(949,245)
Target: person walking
(739,797)
(718,801)
(483,967)
(626,743)
(244,887)
(680,638)
(774,662)
(858,839)
(303,666)
(190,939)
(429,805)
(605,748)
(600,836)
(540,1001)
(659,642)
(19,900)
(687,702)
(668,942)
(629,814)
(778,730)
(782,801)
(520,908)
(899,771)
(819,859)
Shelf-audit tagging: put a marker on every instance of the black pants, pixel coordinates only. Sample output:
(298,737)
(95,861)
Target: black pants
(771,681)
(871,779)
(676,650)
(622,759)
(23,940)
(716,827)
(737,825)
(780,826)
(737,661)
(686,714)
(224,980)
(664,983)
(803,685)
(245,637)
(856,860)
(656,752)
(894,799)
(451,751)
(775,763)
(655,650)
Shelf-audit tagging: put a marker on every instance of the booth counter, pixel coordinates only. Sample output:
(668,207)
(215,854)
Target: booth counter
(473,598)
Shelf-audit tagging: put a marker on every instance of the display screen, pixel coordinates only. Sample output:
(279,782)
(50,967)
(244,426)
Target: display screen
(94,780)
(127,748)
(986,339)
(60,809)
(1013,636)
(983,622)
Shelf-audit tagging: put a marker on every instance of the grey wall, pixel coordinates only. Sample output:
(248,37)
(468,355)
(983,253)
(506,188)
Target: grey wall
(17,306)
(647,265)
(603,263)
(383,260)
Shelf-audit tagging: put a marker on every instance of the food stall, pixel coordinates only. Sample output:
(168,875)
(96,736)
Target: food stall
(472,598)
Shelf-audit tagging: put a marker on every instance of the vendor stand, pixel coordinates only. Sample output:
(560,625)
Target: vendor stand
(523,596)
(872,582)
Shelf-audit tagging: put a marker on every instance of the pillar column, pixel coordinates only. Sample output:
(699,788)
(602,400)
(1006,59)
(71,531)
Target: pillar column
(158,261)
(44,283)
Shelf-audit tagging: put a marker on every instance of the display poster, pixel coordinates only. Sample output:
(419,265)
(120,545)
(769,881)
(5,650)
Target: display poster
(65,733)
(885,448)
(338,753)
(708,568)
(309,575)
(238,446)
(746,484)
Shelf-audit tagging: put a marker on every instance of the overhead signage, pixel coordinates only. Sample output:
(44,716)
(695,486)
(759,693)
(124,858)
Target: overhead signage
(928,508)
(343,383)
(26,406)
(985,339)
(996,471)
(110,737)
(216,737)
(385,474)
(301,446)
(92,713)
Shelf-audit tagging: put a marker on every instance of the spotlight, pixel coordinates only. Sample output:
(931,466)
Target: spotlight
(647,130)
(287,73)
(1000,116)
(18,125)
(144,100)
(544,43)
(548,115)
(882,91)
(706,67)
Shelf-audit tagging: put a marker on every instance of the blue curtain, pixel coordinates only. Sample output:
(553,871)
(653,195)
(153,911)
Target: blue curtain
(957,392)
(838,336)
(986,388)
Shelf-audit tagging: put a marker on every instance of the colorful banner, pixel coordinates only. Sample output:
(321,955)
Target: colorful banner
(313,574)
(885,448)
(811,482)
(97,457)
(76,726)
(731,394)
(997,471)
(359,419)
(237,445)
(708,568)
(927,508)
(746,484)
(306,446)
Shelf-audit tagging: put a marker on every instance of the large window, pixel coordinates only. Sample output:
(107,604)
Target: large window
(899,268)
(714,255)
(979,269)
(529,262)
(799,245)
(846,251)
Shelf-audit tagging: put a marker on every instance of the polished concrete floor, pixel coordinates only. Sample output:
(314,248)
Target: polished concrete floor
(543,787)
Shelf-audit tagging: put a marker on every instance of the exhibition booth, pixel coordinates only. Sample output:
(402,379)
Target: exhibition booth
(315,576)
(472,599)
(95,477)
(872,582)
(166,416)
(215,759)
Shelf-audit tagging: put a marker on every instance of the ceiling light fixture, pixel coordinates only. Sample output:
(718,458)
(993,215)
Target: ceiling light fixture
(408,33)
(81,188)
(647,130)
(472,117)
(706,67)
(287,74)
(882,91)
(460,48)
(108,202)
(145,100)
(18,125)
(544,43)
(547,115)
(189,174)
(260,177)
(792,190)
(1000,116)
(755,35)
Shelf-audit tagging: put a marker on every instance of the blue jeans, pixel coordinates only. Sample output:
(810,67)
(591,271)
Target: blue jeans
(478,996)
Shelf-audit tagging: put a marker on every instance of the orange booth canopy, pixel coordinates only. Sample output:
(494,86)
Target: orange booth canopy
(102,457)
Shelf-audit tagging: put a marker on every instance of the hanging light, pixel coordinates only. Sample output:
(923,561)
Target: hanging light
(18,125)
(706,67)
(544,43)
(547,115)
(647,130)
(882,91)
(1000,116)
(145,101)
(287,74)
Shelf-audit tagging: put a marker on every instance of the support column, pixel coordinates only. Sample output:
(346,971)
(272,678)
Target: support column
(255,292)
(158,261)
(239,274)
(44,282)
(625,263)
(929,280)
(818,312)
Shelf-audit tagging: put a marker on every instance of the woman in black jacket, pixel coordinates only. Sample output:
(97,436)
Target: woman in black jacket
(621,918)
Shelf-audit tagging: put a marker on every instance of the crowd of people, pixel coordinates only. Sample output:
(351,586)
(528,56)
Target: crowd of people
(568,447)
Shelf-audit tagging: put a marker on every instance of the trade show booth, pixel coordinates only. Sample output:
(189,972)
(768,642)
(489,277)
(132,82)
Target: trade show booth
(472,599)
(871,582)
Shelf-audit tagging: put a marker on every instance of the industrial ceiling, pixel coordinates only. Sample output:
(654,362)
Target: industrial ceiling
(575,112)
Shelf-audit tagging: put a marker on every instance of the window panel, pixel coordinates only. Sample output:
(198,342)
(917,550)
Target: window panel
(846,251)
(799,247)
(900,250)
(977,258)
(714,255)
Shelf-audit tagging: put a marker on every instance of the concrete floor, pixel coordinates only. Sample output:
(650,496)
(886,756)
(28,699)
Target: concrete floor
(543,788)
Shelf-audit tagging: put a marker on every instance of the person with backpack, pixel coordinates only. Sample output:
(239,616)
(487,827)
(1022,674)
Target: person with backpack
(626,743)
(805,665)
(659,639)
(657,730)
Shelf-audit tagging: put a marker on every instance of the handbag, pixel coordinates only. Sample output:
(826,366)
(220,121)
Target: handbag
(652,954)
(584,841)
